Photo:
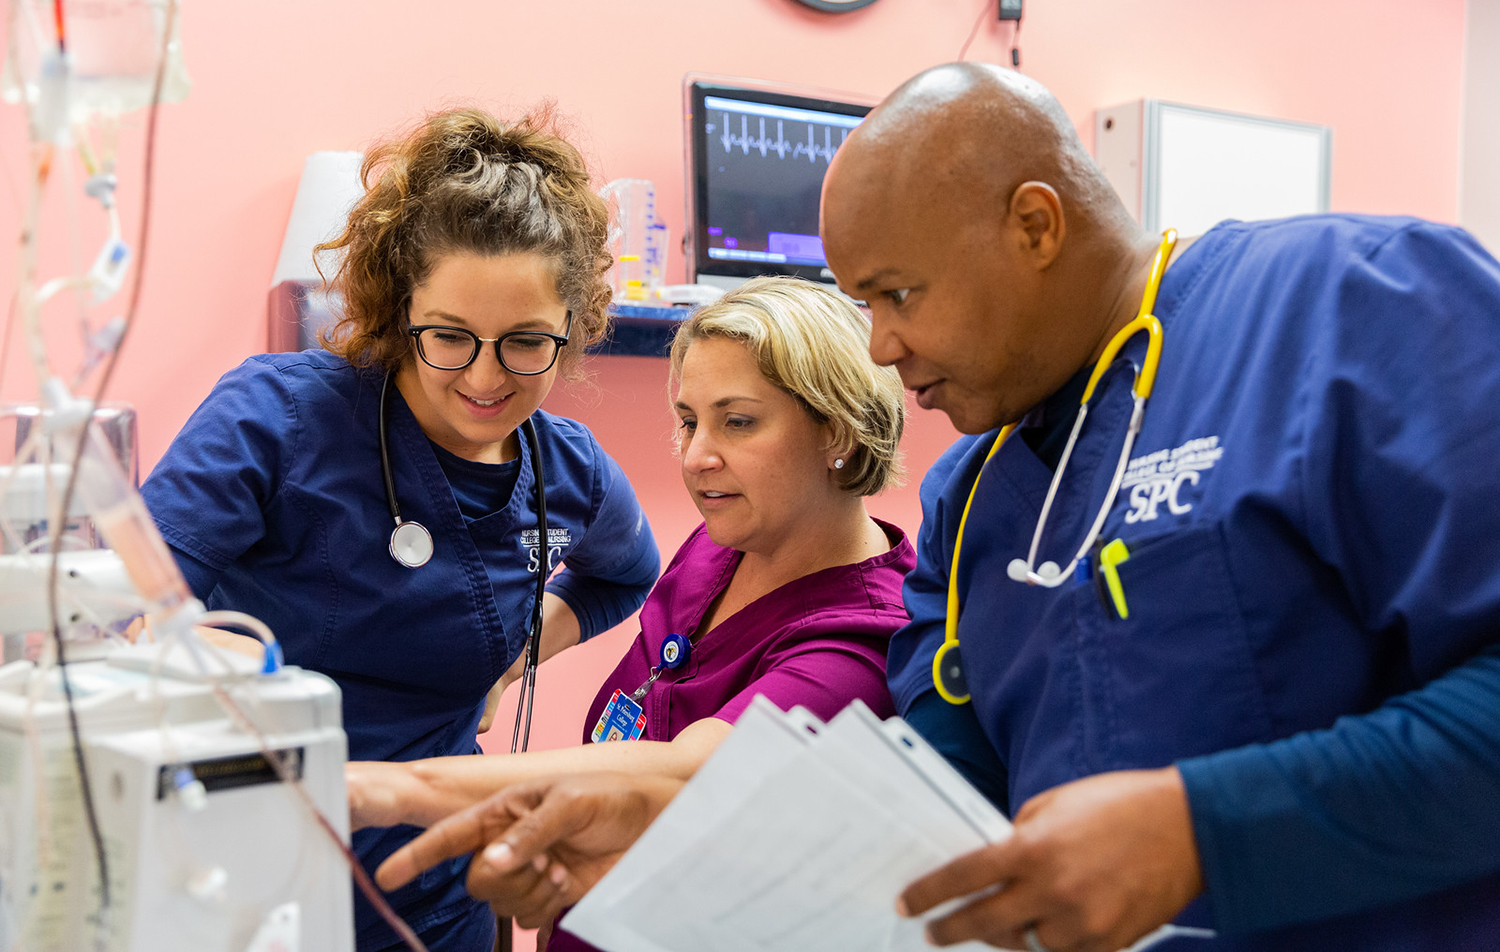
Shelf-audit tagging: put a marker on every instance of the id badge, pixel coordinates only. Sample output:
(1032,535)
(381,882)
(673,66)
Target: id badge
(622,720)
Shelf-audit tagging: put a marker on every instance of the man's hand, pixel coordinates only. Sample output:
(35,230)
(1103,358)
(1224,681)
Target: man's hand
(545,842)
(1093,866)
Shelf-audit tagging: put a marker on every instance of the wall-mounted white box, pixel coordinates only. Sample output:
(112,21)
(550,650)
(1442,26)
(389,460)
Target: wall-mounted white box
(1189,168)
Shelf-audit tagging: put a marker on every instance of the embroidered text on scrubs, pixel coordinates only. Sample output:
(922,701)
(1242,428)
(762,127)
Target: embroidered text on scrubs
(558,542)
(1161,476)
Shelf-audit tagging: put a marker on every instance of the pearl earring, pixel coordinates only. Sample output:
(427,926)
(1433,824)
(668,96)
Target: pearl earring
(838,464)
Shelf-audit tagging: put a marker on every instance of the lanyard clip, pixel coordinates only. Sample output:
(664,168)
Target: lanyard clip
(675,650)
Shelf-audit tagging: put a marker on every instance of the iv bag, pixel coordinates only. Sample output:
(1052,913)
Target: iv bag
(112,48)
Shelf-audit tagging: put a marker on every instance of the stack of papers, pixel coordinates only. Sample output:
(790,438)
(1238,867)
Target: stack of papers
(795,835)
(798,835)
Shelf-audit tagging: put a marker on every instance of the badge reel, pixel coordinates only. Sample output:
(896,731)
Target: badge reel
(623,717)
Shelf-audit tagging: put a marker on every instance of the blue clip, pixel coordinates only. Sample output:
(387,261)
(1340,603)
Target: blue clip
(275,661)
(1085,570)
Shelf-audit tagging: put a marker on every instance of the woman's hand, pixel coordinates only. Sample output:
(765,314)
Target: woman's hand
(544,842)
(242,644)
(379,793)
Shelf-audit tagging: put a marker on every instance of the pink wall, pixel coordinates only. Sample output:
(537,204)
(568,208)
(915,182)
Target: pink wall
(277,79)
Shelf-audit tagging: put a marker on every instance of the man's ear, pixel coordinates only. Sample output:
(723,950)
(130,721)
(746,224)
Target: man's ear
(1036,219)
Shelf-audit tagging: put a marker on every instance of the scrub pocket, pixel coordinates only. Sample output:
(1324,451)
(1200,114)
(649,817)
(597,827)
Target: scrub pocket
(1176,678)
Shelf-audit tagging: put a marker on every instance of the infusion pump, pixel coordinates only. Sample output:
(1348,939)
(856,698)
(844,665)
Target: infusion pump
(207,850)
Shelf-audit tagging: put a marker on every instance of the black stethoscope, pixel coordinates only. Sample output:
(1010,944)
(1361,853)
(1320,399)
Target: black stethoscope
(411,546)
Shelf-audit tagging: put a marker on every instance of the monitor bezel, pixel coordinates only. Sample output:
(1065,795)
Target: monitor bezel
(697,87)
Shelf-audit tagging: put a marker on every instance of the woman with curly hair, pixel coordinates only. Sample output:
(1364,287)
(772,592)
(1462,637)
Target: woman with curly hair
(472,273)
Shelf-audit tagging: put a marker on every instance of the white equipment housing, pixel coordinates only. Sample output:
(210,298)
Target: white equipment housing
(243,868)
(1186,167)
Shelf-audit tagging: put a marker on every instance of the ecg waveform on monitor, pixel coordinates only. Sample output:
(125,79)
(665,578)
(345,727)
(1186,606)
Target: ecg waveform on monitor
(757,137)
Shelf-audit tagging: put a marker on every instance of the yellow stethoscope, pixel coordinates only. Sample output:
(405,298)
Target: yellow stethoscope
(947,664)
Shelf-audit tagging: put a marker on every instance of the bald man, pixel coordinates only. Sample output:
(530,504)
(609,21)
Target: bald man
(1267,698)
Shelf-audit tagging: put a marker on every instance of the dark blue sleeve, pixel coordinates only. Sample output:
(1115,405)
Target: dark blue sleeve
(608,574)
(209,492)
(1379,808)
(953,731)
(200,576)
(1403,439)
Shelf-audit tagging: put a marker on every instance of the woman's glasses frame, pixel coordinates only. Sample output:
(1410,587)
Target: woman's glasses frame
(559,341)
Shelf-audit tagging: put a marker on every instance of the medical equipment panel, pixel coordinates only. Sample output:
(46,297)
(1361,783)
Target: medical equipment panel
(208,848)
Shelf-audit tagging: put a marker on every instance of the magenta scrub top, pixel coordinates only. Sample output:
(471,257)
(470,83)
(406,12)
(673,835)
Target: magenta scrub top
(818,641)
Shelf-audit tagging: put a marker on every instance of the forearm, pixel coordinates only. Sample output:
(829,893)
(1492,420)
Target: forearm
(560,629)
(1400,801)
(440,786)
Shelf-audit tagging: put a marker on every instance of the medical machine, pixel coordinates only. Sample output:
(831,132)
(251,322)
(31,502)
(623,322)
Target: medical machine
(756,157)
(208,850)
(162,794)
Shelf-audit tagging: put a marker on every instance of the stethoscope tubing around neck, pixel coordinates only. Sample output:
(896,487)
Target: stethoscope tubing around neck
(411,545)
(518,739)
(1049,574)
(385,453)
(947,663)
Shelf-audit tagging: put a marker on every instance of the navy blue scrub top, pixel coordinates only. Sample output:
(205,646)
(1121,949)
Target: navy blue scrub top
(272,496)
(1312,519)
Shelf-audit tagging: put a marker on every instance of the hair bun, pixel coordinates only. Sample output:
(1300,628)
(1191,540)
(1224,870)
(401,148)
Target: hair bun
(532,140)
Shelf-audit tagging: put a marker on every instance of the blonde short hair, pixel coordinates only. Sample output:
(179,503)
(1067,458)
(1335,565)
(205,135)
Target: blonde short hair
(814,344)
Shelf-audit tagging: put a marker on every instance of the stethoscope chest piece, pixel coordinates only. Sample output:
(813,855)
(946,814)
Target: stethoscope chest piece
(948,674)
(411,544)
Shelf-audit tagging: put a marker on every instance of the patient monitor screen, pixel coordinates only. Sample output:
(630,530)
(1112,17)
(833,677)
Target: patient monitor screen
(759,164)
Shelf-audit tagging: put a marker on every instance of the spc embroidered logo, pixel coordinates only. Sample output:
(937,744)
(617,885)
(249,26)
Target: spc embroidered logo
(558,542)
(1161,477)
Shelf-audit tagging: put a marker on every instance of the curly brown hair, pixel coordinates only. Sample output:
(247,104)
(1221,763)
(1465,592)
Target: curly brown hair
(463,181)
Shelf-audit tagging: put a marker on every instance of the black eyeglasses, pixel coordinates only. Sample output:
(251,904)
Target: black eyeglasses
(524,353)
